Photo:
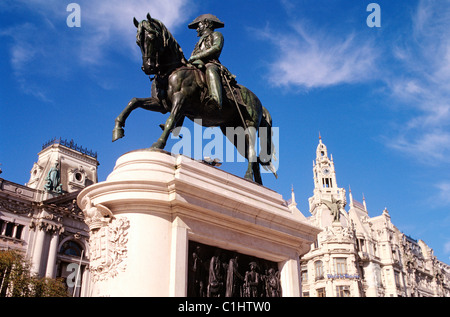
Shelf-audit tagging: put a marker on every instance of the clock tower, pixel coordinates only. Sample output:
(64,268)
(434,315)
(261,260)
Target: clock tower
(328,202)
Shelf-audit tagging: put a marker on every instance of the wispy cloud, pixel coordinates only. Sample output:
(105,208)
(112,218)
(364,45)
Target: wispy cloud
(424,88)
(24,53)
(443,193)
(413,66)
(42,45)
(311,58)
(110,23)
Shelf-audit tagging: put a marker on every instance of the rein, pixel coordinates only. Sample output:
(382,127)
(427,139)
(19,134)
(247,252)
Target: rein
(159,66)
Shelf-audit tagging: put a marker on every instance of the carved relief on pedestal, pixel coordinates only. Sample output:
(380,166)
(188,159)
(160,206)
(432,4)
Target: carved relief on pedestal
(108,241)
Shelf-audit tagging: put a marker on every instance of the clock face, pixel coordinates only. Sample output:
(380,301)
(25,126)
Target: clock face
(326,170)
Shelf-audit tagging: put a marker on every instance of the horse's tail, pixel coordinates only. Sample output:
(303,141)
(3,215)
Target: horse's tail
(267,154)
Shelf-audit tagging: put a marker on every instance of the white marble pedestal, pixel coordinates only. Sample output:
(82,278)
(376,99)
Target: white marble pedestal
(152,204)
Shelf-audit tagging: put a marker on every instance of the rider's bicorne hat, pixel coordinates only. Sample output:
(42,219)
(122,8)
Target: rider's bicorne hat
(217,24)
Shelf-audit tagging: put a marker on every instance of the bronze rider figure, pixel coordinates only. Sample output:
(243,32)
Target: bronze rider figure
(207,52)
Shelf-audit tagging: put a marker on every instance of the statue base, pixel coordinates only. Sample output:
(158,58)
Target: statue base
(159,221)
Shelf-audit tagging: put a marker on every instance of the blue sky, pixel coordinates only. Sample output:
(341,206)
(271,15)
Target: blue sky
(378,96)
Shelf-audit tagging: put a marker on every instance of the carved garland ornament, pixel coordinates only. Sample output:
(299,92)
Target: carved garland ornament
(108,241)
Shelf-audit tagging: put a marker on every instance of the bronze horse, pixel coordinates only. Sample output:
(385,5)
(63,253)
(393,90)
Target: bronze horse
(179,87)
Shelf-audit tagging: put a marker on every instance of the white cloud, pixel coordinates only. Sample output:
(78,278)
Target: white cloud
(417,76)
(21,50)
(313,59)
(40,45)
(110,23)
(424,58)
(443,192)
(430,147)
(24,54)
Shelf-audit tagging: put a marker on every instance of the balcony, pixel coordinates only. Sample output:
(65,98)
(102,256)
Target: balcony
(363,256)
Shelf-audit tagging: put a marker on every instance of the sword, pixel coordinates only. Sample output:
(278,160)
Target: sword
(234,98)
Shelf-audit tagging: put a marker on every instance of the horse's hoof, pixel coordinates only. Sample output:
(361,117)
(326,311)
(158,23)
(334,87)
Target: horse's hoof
(118,133)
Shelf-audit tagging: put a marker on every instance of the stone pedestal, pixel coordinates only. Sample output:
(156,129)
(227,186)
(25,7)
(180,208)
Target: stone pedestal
(153,205)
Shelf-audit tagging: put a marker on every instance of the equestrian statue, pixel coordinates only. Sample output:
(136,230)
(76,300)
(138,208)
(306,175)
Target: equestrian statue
(199,88)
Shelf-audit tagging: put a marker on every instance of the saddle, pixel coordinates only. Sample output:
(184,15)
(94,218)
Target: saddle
(230,87)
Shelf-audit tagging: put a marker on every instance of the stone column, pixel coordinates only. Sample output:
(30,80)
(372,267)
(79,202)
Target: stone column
(290,277)
(52,255)
(179,247)
(84,292)
(36,260)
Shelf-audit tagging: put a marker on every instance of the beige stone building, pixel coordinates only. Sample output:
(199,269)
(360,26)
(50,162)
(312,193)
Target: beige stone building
(42,220)
(357,255)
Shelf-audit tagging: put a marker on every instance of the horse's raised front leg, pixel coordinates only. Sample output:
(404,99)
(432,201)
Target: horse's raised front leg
(150,103)
(174,117)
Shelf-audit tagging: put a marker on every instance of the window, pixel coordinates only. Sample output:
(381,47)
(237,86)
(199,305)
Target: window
(72,279)
(327,182)
(394,254)
(340,266)
(9,229)
(342,291)
(318,265)
(397,278)
(321,292)
(304,276)
(67,270)
(71,248)
(361,245)
(316,244)
(19,231)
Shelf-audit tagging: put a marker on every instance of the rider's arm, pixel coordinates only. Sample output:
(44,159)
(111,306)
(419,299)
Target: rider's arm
(213,52)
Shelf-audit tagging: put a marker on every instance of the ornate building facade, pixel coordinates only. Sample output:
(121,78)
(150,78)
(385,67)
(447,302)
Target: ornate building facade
(42,220)
(356,255)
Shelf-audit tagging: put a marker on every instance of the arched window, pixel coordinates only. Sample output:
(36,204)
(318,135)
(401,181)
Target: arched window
(70,254)
(71,248)
(318,266)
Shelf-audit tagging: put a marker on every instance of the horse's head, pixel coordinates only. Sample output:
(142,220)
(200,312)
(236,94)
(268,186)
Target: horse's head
(150,39)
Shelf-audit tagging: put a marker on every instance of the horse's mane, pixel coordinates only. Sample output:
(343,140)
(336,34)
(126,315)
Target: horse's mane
(170,42)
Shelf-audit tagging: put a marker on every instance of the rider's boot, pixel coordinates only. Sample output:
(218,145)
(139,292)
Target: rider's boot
(214,86)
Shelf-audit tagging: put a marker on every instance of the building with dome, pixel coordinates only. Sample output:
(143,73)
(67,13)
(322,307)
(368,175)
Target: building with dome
(41,219)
